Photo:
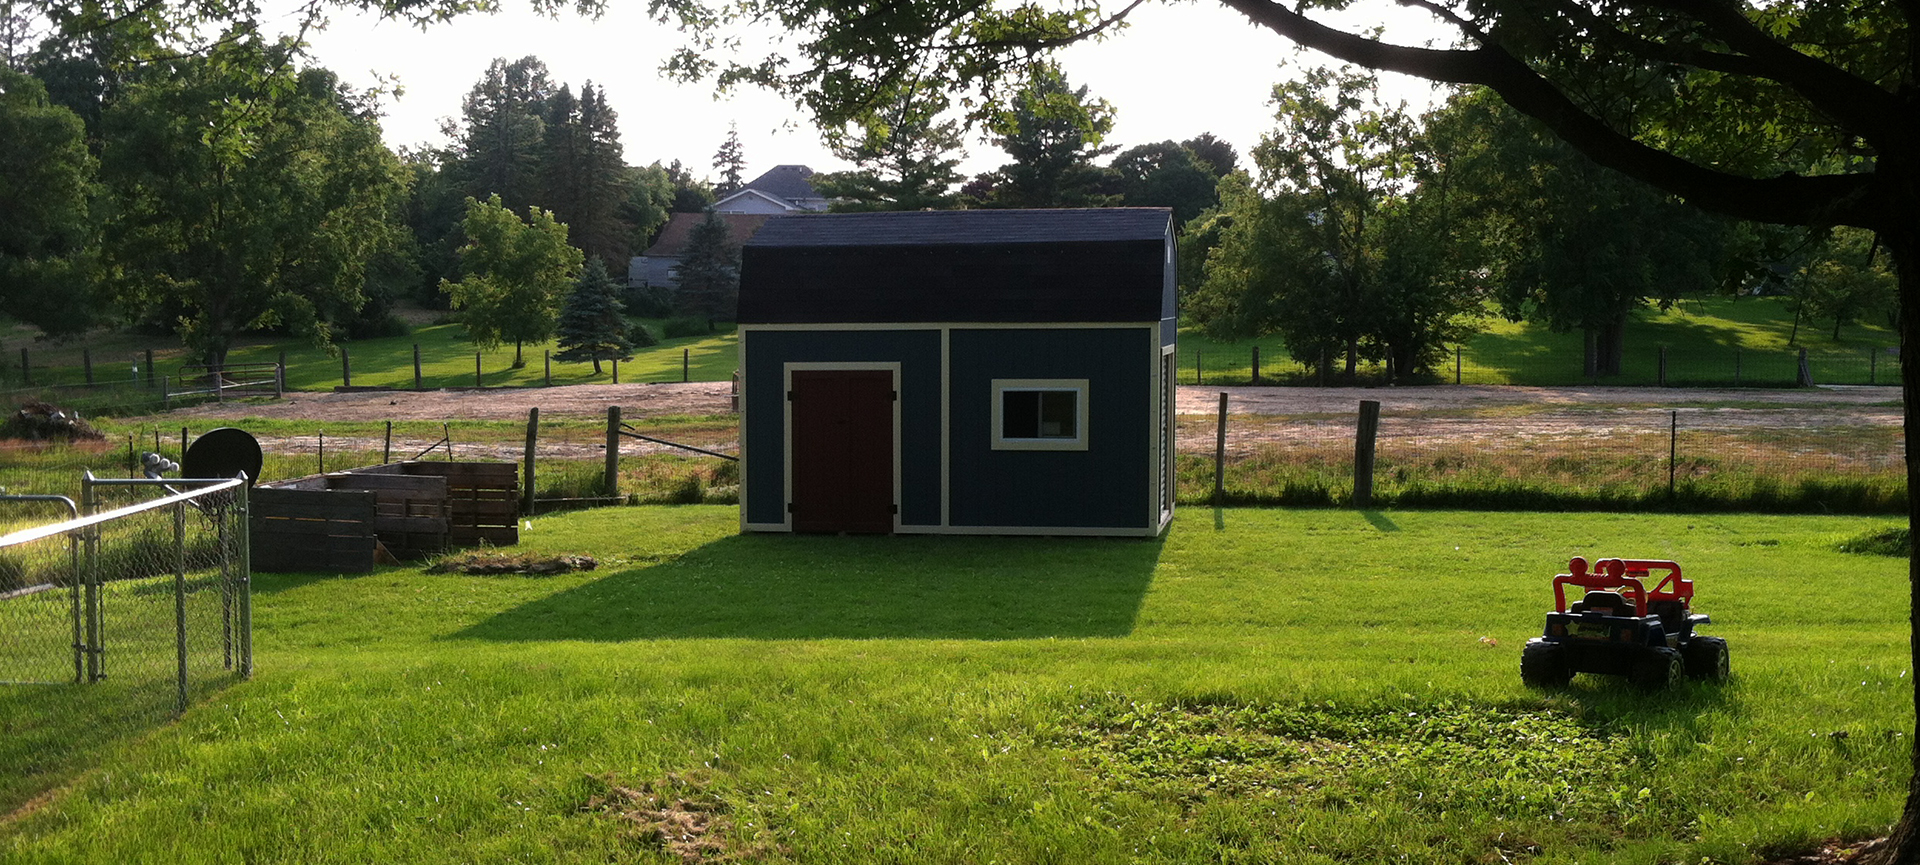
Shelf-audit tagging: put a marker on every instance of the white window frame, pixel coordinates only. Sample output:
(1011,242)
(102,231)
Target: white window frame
(1076,386)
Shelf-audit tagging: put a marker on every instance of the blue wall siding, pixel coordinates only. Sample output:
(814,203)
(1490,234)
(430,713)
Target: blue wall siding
(917,352)
(1103,486)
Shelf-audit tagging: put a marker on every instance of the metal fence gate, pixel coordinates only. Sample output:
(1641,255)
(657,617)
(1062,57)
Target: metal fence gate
(148,587)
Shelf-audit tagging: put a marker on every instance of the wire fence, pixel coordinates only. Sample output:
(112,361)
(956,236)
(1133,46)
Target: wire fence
(1816,459)
(1702,367)
(147,591)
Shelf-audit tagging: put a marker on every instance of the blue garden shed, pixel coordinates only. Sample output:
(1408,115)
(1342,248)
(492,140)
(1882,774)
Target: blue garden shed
(959,372)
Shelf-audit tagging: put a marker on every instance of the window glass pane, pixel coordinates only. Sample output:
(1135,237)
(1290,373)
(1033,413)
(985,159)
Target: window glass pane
(1019,414)
(1057,414)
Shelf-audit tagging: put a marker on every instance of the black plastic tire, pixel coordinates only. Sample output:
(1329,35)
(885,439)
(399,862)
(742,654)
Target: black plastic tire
(1707,659)
(1542,667)
(1659,669)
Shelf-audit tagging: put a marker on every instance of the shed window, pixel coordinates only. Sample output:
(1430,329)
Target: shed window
(1040,414)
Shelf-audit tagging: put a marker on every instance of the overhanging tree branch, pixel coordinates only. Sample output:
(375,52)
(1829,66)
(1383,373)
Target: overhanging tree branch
(1790,198)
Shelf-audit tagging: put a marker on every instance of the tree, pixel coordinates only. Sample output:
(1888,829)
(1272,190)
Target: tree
(731,161)
(503,131)
(904,159)
(515,274)
(1579,247)
(1053,131)
(649,200)
(1166,174)
(246,194)
(709,272)
(584,177)
(592,326)
(690,194)
(46,230)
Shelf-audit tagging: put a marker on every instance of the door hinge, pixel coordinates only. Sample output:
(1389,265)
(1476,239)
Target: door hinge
(893,509)
(895,396)
(789,507)
(789,396)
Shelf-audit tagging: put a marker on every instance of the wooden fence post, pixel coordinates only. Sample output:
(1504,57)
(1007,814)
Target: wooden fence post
(416,366)
(86,363)
(26,371)
(616,370)
(1873,363)
(1736,367)
(1220,455)
(346,368)
(1198,378)
(1673,448)
(149,367)
(386,450)
(1456,364)
(612,479)
(686,366)
(1256,364)
(1364,435)
(1663,366)
(548,359)
(1805,378)
(526,482)
(476,370)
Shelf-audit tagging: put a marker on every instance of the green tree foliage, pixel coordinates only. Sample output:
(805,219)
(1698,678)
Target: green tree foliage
(690,194)
(648,202)
(46,230)
(592,326)
(1847,280)
(904,159)
(502,132)
(1053,132)
(246,194)
(1350,255)
(1167,174)
(1571,244)
(515,274)
(731,161)
(585,180)
(709,272)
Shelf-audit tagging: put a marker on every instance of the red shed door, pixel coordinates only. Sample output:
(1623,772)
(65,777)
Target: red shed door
(842,451)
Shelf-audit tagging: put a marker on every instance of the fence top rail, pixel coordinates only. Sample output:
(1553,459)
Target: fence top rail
(30,535)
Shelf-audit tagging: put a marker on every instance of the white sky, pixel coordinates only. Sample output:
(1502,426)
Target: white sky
(1180,70)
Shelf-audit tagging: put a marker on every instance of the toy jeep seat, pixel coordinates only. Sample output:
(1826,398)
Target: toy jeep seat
(1600,601)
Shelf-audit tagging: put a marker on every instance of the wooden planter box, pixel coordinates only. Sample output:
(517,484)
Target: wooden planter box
(332,522)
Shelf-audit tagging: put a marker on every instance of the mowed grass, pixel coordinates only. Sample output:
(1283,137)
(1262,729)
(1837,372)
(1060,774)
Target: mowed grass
(1702,337)
(1259,686)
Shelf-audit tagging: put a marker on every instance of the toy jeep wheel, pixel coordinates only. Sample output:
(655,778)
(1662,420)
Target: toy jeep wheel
(1659,669)
(1707,659)
(1542,667)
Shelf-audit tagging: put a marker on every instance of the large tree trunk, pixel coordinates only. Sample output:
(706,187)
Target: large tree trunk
(1590,356)
(1903,845)
(1613,345)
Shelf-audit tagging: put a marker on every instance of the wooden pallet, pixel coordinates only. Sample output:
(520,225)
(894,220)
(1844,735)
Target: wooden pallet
(311,530)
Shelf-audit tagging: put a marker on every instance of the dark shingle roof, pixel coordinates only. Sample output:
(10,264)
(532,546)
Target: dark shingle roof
(956,227)
(673,238)
(786,181)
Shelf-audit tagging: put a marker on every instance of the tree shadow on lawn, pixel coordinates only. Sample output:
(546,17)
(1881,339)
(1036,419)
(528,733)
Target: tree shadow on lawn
(788,587)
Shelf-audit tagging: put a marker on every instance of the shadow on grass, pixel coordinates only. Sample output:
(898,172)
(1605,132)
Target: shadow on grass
(783,587)
(50,734)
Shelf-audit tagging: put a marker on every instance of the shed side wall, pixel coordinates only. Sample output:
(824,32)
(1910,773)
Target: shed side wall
(1103,486)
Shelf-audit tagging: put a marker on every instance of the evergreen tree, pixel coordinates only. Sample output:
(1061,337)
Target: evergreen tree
(592,326)
(501,143)
(731,161)
(1053,132)
(709,272)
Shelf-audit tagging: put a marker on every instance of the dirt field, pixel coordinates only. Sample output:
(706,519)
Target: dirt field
(710,398)
(1487,415)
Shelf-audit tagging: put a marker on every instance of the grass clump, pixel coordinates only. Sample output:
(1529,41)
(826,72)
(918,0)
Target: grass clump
(1895,541)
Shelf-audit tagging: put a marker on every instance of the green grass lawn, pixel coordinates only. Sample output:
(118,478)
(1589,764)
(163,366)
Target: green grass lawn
(1702,336)
(1259,686)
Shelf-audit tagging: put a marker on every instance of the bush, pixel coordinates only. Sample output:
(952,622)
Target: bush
(647,301)
(640,337)
(685,326)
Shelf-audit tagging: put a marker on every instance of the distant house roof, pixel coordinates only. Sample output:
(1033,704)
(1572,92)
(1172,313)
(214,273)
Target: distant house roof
(1086,265)
(786,185)
(967,227)
(673,238)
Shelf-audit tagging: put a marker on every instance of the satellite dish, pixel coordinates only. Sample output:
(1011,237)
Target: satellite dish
(223,453)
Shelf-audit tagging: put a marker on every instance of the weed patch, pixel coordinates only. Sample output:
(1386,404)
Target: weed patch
(1515,764)
(1883,542)
(485,562)
(679,815)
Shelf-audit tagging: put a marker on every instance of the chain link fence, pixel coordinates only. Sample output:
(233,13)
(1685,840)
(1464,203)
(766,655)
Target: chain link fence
(146,590)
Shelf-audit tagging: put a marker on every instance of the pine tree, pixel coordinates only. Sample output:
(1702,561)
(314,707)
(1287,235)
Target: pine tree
(592,326)
(709,272)
(731,161)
